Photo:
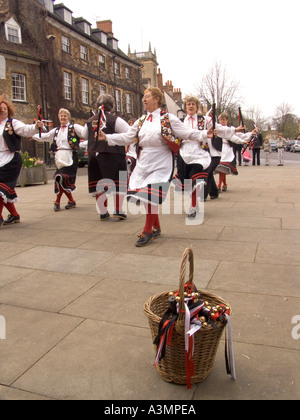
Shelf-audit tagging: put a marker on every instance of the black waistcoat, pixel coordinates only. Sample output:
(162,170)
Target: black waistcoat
(12,140)
(73,139)
(102,146)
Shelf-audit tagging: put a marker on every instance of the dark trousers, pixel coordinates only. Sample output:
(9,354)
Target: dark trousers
(211,186)
(256,156)
(237,150)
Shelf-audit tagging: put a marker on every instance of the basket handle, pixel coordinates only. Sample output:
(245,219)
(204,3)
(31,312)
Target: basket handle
(187,256)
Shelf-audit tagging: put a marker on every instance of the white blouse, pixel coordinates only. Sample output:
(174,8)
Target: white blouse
(227,150)
(64,153)
(191,151)
(22,130)
(155,161)
(62,140)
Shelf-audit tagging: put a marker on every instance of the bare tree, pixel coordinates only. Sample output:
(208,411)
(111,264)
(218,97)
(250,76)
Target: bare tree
(254,114)
(285,121)
(218,87)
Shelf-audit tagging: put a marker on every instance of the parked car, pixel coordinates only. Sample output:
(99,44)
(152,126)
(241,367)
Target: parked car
(288,145)
(83,157)
(274,145)
(296,146)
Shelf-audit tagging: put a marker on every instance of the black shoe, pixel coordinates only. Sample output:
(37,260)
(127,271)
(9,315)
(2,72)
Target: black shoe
(224,188)
(1,221)
(56,207)
(120,215)
(156,233)
(70,205)
(145,239)
(12,219)
(104,217)
(192,214)
(214,197)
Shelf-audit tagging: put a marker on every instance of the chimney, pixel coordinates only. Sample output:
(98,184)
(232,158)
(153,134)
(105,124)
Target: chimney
(169,87)
(105,26)
(177,95)
(159,80)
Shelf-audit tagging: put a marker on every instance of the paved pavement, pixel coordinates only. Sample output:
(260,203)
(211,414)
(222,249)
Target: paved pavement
(72,291)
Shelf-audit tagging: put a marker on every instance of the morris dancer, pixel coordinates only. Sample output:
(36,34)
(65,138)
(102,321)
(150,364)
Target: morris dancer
(227,164)
(106,163)
(157,135)
(11,131)
(196,158)
(66,142)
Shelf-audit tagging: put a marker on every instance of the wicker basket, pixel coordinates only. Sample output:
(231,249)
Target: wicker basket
(172,367)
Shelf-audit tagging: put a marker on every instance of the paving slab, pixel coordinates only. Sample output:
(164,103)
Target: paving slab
(30,335)
(72,291)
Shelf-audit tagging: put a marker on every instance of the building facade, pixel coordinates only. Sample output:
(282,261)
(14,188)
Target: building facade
(50,58)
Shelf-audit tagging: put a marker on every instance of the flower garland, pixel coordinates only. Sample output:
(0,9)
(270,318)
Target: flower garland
(166,131)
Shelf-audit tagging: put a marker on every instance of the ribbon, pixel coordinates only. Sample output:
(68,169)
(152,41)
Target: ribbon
(40,118)
(101,124)
(229,353)
(48,123)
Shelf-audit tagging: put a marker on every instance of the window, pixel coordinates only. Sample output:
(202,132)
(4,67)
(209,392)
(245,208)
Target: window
(102,61)
(128,103)
(127,73)
(68,86)
(85,91)
(19,87)
(66,45)
(13,31)
(118,101)
(117,68)
(102,89)
(83,53)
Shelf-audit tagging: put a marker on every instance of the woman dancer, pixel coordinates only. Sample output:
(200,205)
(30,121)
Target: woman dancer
(227,164)
(156,134)
(196,158)
(11,131)
(66,141)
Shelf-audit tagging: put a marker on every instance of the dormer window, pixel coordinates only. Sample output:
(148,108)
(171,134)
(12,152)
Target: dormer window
(64,13)
(84,25)
(113,42)
(13,31)
(48,4)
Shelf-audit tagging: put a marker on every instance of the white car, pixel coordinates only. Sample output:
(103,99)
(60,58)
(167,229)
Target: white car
(296,146)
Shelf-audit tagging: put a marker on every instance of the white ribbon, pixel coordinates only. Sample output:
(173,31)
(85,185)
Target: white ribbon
(230,348)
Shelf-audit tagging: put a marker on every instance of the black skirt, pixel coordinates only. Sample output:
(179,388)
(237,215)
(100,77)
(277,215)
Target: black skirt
(189,176)
(8,178)
(66,177)
(227,168)
(107,173)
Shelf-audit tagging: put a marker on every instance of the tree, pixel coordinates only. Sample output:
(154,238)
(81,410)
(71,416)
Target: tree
(254,115)
(285,121)
(219,88)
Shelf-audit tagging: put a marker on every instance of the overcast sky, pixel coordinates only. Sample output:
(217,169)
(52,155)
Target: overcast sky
(256,41)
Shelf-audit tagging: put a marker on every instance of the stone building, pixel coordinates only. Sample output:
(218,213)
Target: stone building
(152,76)
(50,58)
